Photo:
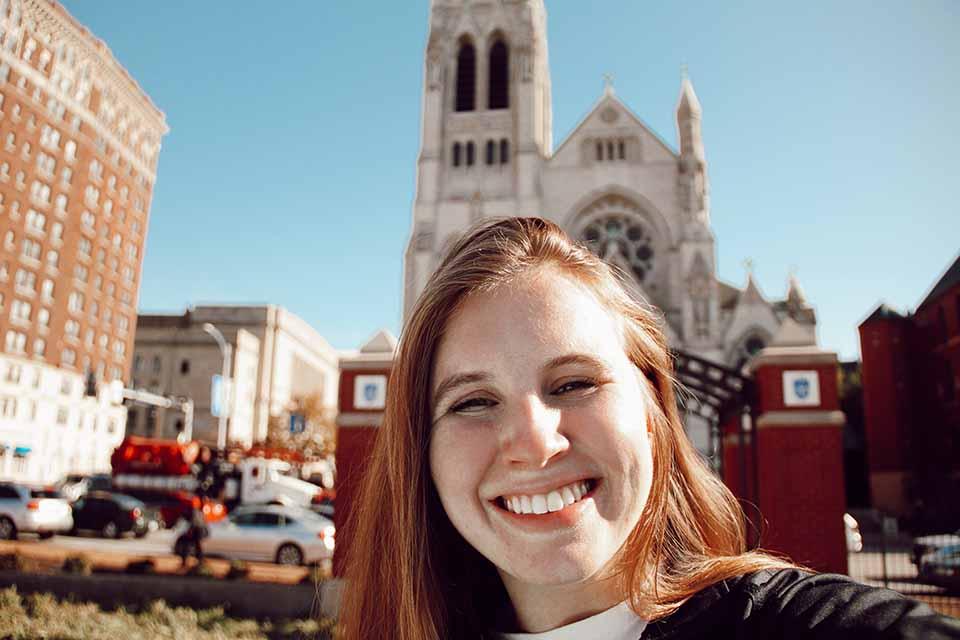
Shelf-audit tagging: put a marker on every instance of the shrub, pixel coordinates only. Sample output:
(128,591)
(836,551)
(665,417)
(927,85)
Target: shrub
(141,567)
(200,570)
(77,565)
(239,570)
(316,574)
(11,561)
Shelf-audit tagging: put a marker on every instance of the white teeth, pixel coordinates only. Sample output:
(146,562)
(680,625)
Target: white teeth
(554,501)
(539,504)
(549,502)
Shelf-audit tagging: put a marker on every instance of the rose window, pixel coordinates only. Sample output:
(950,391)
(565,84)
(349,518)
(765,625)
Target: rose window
(615,236)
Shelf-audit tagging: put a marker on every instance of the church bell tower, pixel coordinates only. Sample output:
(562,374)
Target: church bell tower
(486,125)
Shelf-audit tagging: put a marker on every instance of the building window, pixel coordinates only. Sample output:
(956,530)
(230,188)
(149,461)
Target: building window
(72,328)
(942,325)
(15,342)
(491,153)
(8,407)
(156,364)
(471,153)
(20,312)
(499,76)
(75,302)
(46,289)
(43,318)
(68,357)
(63,415)
(39,347)
(466,77)
(504,151)
(14,373)
(184,367)
(457,151)
(621,150)
(69,150)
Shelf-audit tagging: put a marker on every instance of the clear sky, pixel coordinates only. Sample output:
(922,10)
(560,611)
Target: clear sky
(832,132)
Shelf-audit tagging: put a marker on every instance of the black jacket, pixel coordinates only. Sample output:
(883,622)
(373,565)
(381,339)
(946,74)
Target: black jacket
(792,605)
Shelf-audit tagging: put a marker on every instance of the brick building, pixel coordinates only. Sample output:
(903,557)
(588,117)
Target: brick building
(911,396)
(79,143)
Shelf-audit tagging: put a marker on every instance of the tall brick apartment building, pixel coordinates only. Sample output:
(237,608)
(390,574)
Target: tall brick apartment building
(911,397)
(79,142)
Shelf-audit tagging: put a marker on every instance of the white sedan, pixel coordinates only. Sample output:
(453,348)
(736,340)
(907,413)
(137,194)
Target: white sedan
(29,510)
(272,533)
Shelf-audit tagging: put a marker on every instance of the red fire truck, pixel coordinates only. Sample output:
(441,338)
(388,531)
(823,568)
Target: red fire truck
(165,474)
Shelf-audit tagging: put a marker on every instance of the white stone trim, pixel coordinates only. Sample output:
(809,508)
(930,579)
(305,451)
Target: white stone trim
(791,356)
(801,419)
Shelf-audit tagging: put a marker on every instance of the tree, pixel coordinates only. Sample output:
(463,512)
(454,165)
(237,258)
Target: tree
(319,437)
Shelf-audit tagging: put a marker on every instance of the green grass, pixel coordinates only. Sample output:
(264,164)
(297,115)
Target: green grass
(43,616)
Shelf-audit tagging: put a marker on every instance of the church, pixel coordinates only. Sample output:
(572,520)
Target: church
(638,202)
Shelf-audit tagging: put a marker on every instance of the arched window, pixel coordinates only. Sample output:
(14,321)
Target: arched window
(499,97)
(491,152)
(504,151)
(621,150)
(456,154)
(466,77)
(609,150)
(471,153)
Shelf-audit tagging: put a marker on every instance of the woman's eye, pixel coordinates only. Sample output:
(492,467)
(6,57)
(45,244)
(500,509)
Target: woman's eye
(573,386)
(473,405)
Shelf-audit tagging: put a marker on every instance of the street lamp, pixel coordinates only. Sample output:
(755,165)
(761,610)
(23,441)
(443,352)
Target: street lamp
(226,350)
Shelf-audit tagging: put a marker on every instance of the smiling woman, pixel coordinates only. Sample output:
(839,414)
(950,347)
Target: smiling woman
(533,477)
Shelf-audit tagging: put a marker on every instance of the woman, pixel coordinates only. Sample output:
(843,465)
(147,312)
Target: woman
(532,475)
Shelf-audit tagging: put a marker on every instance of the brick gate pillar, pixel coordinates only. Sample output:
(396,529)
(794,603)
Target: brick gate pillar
(362,394)
(799,429)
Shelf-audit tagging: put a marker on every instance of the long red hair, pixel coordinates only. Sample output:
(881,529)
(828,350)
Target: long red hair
(410,574)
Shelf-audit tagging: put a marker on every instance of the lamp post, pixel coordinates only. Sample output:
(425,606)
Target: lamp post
(226,350)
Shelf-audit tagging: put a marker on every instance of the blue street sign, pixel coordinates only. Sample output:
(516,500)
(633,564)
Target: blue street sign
(298,423)
(369,392)
(801,386)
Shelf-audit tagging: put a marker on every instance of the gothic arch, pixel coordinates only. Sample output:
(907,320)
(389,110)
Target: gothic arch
(643,206)
(750,341)
(465,98)
(498,72)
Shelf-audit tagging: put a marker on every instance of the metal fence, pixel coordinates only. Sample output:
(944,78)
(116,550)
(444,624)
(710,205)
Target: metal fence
(923,567)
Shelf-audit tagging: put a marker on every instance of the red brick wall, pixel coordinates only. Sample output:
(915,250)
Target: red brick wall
(354,445)
(886,392)
(802,496)
(800,478)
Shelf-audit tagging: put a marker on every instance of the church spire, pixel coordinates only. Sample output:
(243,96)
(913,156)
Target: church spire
(689,114)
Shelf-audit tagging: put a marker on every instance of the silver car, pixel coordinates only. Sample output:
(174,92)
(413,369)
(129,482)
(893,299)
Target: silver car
(271,533)
(23,510)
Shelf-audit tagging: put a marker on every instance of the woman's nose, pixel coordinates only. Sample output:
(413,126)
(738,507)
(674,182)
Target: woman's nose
(530,433)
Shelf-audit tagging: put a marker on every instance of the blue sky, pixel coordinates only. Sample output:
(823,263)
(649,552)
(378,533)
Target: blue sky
(831,133)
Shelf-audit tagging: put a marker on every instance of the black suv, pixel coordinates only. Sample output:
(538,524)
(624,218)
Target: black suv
(112,515)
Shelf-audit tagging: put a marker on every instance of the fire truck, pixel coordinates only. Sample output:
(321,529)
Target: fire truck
(176,477)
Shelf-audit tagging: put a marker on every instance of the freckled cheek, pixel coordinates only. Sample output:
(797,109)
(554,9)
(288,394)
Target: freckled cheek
(459,459)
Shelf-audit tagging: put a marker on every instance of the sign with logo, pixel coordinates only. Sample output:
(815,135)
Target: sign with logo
(801,389)
(370,392)
(298,423)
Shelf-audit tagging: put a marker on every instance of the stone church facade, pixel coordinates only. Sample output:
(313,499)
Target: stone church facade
(613,183)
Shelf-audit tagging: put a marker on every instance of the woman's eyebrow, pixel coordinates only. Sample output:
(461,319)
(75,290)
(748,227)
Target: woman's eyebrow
(457,380)
(576,359)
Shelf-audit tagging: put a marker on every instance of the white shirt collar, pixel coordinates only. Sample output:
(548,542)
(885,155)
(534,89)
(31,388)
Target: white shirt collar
(616,623)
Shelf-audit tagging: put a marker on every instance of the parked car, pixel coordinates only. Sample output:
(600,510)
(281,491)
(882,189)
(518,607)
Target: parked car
(23,510)
(75,485)
(925,545)
(113,514)
(283,534)
(941,567)
(852,529)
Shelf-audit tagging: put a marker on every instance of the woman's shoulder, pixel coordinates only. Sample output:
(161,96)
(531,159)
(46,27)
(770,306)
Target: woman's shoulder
(792,603)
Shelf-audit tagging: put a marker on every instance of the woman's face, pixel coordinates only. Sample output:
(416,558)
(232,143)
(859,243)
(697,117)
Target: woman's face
(539,447)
